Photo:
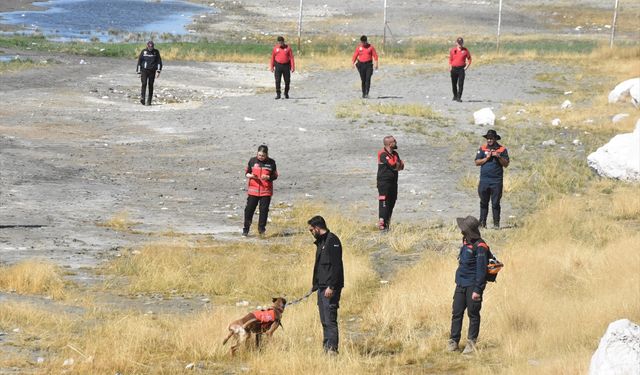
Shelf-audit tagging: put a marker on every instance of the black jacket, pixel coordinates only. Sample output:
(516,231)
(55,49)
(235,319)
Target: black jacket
(328,270)
(149,60)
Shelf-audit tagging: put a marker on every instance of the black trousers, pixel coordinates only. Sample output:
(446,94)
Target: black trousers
(366,71)
(457,81)
(250,209)
(280,71)
(147,76)
(462,300)
(490,191)
(387,196)
(328,308)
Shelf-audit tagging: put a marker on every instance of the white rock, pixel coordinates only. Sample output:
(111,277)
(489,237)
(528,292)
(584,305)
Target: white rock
(629,87)
(577,142)
(40,360)
(550,142)
(568,92)
(249,119)
(242,303)
(82,62)
(620,158)
(555,122)
(503,118)
(566,104)
(485,116)
(68,362)
(619,350)
(190,366)
(302,129)
(619,117)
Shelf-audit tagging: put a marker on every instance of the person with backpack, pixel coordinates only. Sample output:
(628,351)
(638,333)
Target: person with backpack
(363,59)
(471,279)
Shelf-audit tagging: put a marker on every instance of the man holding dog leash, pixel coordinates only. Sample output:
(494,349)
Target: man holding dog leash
(328,280)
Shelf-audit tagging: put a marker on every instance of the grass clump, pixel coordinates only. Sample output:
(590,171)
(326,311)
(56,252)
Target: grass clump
(33,277)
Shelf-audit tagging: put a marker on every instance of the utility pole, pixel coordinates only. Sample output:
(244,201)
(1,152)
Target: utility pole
(299,25)
(384,32)
(499,24)
(613,25)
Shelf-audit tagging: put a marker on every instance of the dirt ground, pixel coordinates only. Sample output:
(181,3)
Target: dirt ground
(78,148)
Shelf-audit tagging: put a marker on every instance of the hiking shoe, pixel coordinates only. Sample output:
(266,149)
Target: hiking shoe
(142,101)
(245,233)
(470,348)
(452,346)
(286,96)
(277,96)
(454,99)
(458,100)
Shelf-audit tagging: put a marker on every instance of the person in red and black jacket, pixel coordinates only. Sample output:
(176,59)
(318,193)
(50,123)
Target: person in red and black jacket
(389,164)
(282,64)
(261,172)
(492,158)
(459,62)
(363,59)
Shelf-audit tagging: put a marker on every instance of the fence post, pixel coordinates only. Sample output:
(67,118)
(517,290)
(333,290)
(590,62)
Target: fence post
(499,24)
(613,25)
(384,32)
(299,26)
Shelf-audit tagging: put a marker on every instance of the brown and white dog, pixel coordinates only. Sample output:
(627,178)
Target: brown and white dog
(257,322)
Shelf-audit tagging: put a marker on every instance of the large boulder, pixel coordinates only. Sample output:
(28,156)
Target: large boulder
(630,87)
(484,116)
(619,350)
(620,158)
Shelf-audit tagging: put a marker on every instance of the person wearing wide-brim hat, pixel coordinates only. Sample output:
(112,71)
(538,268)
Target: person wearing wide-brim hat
(470,283)
(492,158)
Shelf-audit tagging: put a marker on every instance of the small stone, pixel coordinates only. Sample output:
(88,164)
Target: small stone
(555,122)
(40,360)
(549,142)
(190,366)
(566,104)
(577,142)
(242,303)
(384,281)
(302,129)
(68,362)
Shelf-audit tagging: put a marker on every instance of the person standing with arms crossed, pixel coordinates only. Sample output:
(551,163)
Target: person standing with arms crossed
(492,158)
(459,62)
(261,172)
(328,280)
(389,164)
(282,64)
(363,58)
(149,67)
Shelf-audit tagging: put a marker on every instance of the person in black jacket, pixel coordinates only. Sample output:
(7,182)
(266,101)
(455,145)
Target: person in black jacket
(328,280)
(149,68)
(389,164)
(470,283)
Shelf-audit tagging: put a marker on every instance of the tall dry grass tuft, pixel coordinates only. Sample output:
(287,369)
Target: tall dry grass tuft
(119,222)
(33,277)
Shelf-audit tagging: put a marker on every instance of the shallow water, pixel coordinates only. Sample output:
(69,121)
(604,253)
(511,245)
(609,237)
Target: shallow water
(107,20)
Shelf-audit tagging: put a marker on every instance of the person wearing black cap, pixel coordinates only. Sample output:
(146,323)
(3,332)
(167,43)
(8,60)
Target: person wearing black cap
(492,158)
(459,62)
(282,64)
(149,68)
(470,283)
(363,60)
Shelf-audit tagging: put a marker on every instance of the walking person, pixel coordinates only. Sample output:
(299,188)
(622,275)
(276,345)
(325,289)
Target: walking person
(363,60)
(261,171)
(470,283)
(492,158)
(328,280)
(149,68)
(282,65)
(459,62)
(389,163)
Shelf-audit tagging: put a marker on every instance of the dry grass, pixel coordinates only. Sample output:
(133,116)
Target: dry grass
(119,222)
(33,277)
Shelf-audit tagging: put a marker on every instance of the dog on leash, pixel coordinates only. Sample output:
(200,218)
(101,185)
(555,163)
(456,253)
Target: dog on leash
(257,322)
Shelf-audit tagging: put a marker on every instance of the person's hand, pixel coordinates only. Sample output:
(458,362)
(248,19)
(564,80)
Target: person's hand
(157,74)
(476,297)
(272,69)
(376,67)
(328,293)
(293,70)
(355,65)
(264,177)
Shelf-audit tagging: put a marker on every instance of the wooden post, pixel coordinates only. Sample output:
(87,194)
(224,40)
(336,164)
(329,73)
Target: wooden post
(299,25)
(613,25)
(499,24)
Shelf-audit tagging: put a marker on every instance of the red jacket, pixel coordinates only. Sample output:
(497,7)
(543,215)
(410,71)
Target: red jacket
(364,53)
(282,55)
(258,187)
(459,57)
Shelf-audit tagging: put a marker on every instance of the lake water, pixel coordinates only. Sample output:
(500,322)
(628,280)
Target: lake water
(107,20)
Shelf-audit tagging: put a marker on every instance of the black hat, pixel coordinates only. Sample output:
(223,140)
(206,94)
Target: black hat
(469,226)
(492,134)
